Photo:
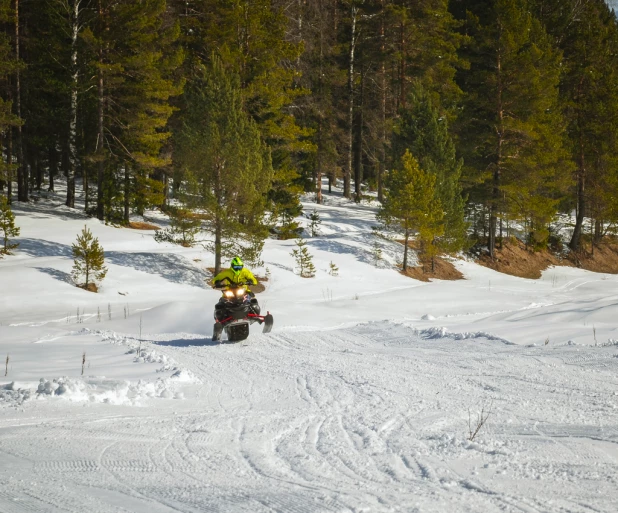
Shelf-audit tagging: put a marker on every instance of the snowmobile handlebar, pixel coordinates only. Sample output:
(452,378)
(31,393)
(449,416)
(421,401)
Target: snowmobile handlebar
(220,284)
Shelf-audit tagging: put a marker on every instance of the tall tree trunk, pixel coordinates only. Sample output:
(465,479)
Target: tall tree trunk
(358,143)
(218,221)
(9,160)
(348,170)
(70,202)
(402,65)
(53,165)
(575,242)
(495,191)
(127,192)
(382,161)
(100,113)
(38,170)
(22,172)
(405,250)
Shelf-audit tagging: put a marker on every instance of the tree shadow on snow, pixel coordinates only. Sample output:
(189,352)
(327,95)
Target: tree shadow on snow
(55,273)
(172,267)
(43,248)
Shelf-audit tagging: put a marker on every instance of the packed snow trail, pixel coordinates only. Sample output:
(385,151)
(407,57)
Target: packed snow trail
(370,418)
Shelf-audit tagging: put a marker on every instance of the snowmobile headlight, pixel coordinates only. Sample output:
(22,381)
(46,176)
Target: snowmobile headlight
(240,292)
(228,293)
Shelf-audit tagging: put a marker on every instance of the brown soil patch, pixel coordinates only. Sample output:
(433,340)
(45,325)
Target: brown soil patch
(603,259)
(443,270)
(138,225)
(91,287)
(515,259)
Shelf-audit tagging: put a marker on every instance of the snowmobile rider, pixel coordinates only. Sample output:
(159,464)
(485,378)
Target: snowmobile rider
(237,273)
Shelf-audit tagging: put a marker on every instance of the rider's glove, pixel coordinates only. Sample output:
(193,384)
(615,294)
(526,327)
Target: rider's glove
(218,283)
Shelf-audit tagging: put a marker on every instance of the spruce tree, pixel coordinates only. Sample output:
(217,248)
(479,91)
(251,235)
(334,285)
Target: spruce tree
(88,260)
(227,165)
(410,204)
(304,259)
(7,227)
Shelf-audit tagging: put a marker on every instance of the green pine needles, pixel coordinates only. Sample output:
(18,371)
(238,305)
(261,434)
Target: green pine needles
(304,259)
(314,225)
(410,204)
(88,260)
(184,226)
(7,227)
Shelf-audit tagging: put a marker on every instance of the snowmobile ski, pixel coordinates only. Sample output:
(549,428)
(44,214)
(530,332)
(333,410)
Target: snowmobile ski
(268,323)
(216,332)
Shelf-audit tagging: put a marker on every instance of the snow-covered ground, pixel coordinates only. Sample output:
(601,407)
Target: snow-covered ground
(360,400)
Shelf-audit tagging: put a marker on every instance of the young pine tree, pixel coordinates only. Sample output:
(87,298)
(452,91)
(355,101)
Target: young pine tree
(304,259)
(425,132)
(7,227)
(314,226)
(410,205)
(88,260)
(184,226)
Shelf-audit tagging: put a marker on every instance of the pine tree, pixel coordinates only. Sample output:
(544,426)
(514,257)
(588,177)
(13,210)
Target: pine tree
(422,130)
(249,37)
(587,34)
(184,226)
(410,204)
(88,260)
(136,61)
(227,165)
(8,67)
(315,223)
(333,270)
(512,131)
(7,227)
(376,252)
(304,259)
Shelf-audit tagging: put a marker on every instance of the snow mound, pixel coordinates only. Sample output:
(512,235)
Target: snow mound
(439,333)
(117,392)
(13,395)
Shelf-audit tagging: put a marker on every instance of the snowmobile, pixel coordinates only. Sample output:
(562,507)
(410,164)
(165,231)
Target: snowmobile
(236,311)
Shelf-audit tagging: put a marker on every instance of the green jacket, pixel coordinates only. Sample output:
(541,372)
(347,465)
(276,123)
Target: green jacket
(243,276)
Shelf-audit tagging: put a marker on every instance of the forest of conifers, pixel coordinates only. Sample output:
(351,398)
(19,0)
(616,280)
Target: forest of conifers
(236,107)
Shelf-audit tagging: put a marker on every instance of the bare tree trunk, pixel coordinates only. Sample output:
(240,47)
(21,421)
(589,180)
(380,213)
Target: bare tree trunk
(101,134)
(9,160)
(495,193)
(70,202)
(382,162)
(575,242)
(127,192)
(22,172)
(348,171)
(218,220)
(402,65)
(358,143)
(405,250)
(38,170)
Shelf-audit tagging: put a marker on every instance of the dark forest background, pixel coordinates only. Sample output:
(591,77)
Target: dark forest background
(233,108)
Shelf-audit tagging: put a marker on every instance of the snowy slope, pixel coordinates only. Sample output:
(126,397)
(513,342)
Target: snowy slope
(359,400)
